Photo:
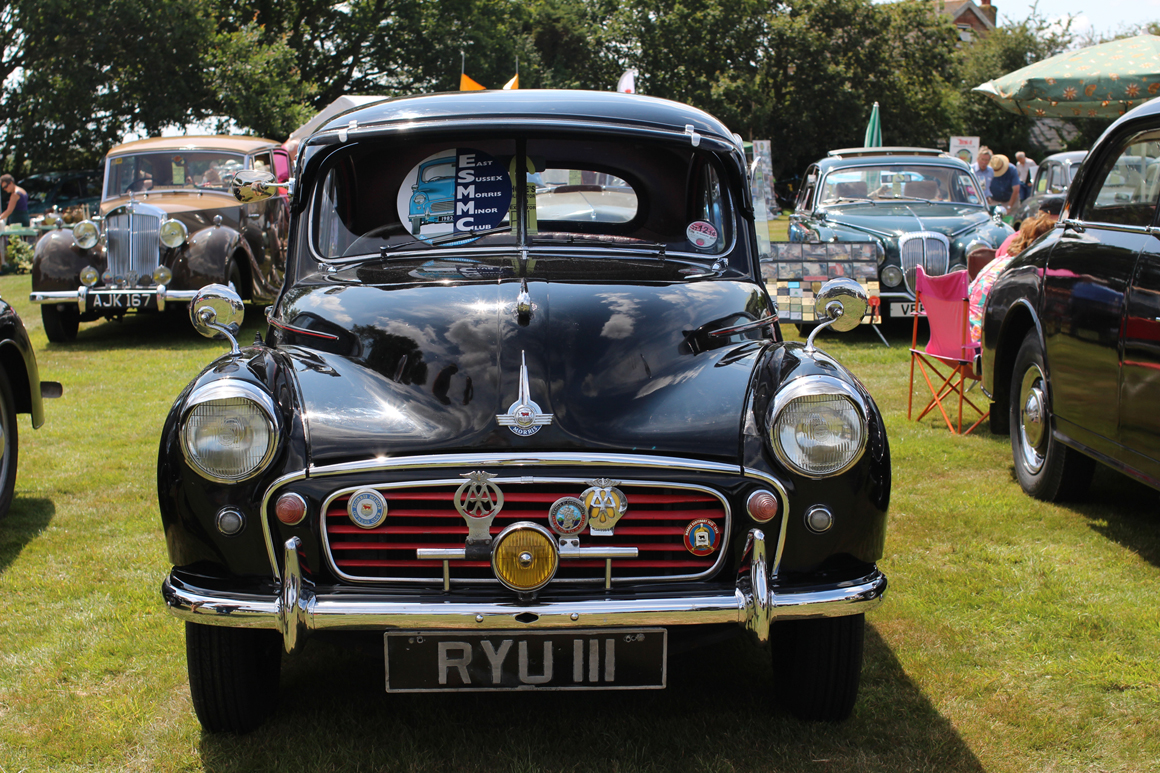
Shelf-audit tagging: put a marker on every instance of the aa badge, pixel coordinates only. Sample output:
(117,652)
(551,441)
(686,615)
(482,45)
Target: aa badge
(478,500)
(702,537)
(605,504)
(367,508)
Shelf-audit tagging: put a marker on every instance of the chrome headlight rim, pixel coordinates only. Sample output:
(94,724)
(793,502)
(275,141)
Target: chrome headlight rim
(168,227)
(817,385)
(83,242)
(223,390)
(514,528)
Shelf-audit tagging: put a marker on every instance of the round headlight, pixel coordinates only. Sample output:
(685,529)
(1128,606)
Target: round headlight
(525,557)
(86,234)
(420,199)
(162,275)
(173,233)
(230,431)
(817,426)
(892,276)
(90,276)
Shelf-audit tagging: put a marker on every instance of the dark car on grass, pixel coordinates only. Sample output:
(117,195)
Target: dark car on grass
(531,446)
(167,227)
(1054,176)
(58,191)
(1071,329)
(923,207)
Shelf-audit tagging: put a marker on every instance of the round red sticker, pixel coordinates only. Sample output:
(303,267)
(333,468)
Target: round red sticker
(701,234)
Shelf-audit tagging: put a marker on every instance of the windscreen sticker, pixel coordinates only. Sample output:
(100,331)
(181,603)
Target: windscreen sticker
(701,234)
(458,190)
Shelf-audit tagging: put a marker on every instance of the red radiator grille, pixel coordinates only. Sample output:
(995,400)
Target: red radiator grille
(425,517)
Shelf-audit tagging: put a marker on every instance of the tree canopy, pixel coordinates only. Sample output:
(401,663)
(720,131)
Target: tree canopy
(804,73)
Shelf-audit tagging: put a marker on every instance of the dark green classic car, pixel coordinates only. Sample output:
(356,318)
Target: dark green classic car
(923,207)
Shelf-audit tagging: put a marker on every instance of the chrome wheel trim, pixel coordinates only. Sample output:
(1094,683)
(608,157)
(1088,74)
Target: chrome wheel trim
(1033,420)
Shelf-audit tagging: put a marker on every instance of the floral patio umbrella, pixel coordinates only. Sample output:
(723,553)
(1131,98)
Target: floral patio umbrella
(1101,81)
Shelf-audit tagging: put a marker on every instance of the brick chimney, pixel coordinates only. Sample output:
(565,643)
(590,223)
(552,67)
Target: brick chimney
(991,12)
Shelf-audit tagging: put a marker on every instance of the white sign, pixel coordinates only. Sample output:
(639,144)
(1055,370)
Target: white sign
(965,148)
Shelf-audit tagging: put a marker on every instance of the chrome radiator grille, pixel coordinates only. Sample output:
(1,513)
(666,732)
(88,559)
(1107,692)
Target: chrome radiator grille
(442,206)
(424,516)
(134,243)
(930,250)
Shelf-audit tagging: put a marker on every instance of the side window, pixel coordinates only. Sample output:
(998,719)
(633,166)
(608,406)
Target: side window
(1041,180)
(805,200)
(262,163)
(1125,191)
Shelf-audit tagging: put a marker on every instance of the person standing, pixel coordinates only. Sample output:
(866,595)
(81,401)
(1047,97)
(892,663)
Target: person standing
(1004,183)
(16,211)
(1027,169)
(983,171)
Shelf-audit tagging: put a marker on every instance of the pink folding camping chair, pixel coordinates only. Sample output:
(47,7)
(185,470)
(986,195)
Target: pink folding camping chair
(949,356)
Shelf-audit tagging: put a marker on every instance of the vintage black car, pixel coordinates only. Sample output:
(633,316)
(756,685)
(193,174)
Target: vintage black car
(530,445)
(21,391)
(58,191)
(168,227)
(1071,330)
(1053,176)
(923,207)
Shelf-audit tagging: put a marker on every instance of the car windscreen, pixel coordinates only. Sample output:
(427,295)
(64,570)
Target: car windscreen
(403,196)
(878,182)
(39,188)
(171,170)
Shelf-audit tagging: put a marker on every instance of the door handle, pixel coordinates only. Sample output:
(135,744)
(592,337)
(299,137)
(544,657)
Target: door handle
(254,215)
(1073,225)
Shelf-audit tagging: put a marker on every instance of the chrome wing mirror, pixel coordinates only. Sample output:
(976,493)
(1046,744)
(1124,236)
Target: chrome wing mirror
(217,312)
(254,185)
(841,303)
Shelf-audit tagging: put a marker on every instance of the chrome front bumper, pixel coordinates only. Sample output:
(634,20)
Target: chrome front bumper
(81,295)
(296,609)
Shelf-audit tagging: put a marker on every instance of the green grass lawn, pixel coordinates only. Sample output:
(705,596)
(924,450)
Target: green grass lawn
(1016,636)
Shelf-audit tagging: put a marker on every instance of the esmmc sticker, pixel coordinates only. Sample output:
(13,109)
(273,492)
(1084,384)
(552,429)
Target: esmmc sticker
(568,516)
(702,537)
(454,191)
(367,508)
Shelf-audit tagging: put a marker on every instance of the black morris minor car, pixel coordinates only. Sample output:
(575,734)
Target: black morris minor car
(168,226)
(531,444)
(923,207)
(1071,329)
(1053,177)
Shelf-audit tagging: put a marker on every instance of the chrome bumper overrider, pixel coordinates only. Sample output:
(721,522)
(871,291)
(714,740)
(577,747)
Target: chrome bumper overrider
(296,609)
(80,295)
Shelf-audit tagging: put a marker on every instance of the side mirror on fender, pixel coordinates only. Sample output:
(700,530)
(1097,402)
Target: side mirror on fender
(842,304)
(217,312)
(253,185)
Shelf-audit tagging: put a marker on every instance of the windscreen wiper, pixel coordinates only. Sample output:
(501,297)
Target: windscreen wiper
(454,236)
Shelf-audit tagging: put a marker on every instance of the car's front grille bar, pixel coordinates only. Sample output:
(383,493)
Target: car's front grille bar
(422,516)
(923,248)
(134,244)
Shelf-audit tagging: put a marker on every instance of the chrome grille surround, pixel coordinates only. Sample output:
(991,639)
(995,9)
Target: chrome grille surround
(442,206)
(134,241)
(334,528)
(928,249)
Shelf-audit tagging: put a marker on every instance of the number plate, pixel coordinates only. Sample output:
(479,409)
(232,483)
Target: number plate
(904,310)
(121,301)
(461,661)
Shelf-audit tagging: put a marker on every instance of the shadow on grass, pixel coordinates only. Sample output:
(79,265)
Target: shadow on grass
(1123,510)
(335,715)
(170,329)
(26,519)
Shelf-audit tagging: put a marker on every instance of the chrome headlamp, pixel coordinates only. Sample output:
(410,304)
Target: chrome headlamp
(87,234)
(173,233)
(229,430)
(817,426)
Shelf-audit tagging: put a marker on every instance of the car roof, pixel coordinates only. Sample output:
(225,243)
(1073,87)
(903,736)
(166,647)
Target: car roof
(894,156)
(1069,156)
(541,105)
(61,175)
(234,143)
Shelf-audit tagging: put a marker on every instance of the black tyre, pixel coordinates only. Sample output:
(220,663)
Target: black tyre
(233,675)
(234,279)
(818,665)
(1046,468)
(9,445)
(61,321)
(416,224)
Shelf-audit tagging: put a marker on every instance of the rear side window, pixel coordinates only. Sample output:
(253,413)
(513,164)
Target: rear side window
(1128,183)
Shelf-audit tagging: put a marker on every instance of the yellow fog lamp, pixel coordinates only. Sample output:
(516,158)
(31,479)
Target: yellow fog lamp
(525,557)
(90,276)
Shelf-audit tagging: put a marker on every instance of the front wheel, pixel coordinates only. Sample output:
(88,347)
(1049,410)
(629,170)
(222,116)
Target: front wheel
(61,321)
(9,444)
(817,666)
(233,675)
(1046,468)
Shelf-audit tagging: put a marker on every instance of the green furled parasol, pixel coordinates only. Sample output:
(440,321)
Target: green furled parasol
(1101,81)
(873,130)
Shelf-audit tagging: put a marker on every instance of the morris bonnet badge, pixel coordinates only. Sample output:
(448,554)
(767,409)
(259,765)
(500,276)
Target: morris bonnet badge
(478,500)
(606,504)
(367,508)
(524,417)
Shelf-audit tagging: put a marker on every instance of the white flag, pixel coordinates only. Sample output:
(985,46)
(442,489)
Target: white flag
(627,82)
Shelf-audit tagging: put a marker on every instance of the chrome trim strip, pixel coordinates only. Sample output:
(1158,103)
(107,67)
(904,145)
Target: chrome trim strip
(79,295)
(264,518)
(526,479)
(548,459)
(779,549)
(311,612)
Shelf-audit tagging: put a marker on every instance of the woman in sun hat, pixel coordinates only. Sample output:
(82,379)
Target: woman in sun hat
(1005,184)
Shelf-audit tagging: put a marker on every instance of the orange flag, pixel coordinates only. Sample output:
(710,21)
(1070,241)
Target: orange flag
(467,84)
(514,83)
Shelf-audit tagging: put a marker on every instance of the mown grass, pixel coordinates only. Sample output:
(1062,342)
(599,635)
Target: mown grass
(1016,636)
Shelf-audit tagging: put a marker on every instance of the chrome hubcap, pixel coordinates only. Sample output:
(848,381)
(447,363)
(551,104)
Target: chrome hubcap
(1033,419)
